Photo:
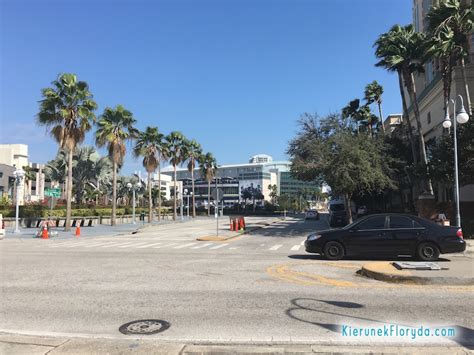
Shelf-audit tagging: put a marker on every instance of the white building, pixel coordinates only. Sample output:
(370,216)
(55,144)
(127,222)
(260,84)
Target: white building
(14,156)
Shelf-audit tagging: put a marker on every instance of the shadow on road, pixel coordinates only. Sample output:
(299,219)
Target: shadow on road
(307,307)
(360,258)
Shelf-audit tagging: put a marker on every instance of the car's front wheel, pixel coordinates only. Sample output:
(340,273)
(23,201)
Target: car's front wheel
(427,252)
(333,251)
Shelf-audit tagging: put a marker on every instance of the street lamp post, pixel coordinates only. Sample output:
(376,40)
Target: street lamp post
(187,193)
(461,117)
(134,187)
(18,174)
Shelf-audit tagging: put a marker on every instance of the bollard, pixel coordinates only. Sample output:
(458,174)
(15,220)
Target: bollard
(231,224)
(44,235)
(2,227)
(243,222)
(78,231)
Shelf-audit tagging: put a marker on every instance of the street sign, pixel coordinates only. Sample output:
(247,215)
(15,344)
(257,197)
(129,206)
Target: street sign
(52,192)
(217,194)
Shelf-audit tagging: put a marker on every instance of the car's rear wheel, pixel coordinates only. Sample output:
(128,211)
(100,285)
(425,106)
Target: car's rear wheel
(333,251)
(427,252)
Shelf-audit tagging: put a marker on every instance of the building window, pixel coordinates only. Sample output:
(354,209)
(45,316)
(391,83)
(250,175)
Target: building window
(428,118)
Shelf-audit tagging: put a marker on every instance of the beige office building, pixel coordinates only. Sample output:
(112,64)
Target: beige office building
(429,86)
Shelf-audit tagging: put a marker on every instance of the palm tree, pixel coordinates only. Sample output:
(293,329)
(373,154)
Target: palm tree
(67,109)
(56,170)
(401,50)
(373,93)
(208,165)
(176,143)
(194,152)
(450,25)
(148,145)
(114,128)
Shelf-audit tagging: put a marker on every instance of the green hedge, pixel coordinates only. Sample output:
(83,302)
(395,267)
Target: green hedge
(43,211)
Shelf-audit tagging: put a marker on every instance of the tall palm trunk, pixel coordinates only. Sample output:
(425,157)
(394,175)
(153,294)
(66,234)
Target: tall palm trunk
(150,204)
(114,192)
(208,198)
(410,83)
(446,75)
(67,226)
(192,188)
(406,120)
(159,191)
(379,104)
(175,194)
(466,87)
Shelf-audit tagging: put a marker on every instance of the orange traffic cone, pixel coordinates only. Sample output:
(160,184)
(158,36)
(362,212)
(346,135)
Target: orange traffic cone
(231,224)
(236,226)
(78,231)
(44,234)
(243,222)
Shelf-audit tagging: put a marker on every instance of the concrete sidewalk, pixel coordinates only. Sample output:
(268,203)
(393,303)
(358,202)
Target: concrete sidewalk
(36,345)
(120,229)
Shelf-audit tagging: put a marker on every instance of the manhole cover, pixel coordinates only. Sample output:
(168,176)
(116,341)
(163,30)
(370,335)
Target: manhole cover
(145,327)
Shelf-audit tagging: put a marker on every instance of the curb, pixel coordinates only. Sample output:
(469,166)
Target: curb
(20,344)
(376,271)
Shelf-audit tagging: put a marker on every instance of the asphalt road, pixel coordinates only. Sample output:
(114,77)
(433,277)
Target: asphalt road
(256,288)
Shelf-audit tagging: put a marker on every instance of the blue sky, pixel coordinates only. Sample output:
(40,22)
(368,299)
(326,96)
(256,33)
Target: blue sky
(233,74)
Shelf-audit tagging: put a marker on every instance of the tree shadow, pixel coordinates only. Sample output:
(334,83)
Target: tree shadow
(463,336)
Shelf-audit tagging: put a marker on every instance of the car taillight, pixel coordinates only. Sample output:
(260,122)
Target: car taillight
(459,233)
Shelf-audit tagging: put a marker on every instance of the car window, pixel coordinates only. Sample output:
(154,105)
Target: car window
(337,207)
(377,222)
(401,222)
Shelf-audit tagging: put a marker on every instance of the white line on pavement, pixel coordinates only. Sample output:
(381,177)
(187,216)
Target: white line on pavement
(276,247)
(219,246)
(147,245)
(296,247)
(130,244)
(164,246)
(115,244)
(202,246)
(76,244)
(302,243)
(184,246)
(96,244)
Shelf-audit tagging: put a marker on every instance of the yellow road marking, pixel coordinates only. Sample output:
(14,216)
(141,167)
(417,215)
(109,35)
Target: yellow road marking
(284,272)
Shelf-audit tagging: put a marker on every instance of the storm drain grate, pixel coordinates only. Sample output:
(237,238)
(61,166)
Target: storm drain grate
(144,327)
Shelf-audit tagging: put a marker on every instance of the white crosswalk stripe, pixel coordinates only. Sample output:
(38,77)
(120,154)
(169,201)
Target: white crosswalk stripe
(302,243)
(164,246)
(184,246)
(147,245)
(130,245)
(202,246)
(219,246)
(114,244)
(296,247)
(76,244)
(276,247)
(96,245)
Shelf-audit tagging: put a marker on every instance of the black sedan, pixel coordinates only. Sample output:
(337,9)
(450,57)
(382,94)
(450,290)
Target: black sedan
(388,235)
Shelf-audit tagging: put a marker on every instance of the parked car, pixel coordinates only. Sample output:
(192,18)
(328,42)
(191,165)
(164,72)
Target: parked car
(311,214)
(388,235)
